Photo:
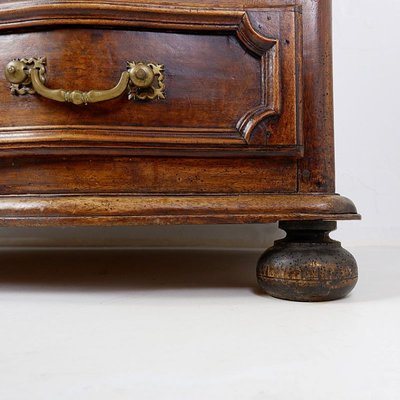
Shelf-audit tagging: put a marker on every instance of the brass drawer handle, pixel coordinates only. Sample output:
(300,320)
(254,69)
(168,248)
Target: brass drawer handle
(144,81)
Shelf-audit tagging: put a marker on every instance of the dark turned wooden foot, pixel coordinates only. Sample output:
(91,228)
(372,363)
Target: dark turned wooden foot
(307,265)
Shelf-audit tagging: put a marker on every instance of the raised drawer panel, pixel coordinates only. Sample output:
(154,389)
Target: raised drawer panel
(232,77)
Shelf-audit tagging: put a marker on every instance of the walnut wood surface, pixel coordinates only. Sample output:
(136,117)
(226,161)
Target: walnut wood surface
(317,168)
(206,74)
(179,209)
(244,136)
(248,114)
(146,175)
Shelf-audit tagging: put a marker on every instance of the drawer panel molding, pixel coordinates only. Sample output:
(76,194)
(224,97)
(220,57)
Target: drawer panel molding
(242,113)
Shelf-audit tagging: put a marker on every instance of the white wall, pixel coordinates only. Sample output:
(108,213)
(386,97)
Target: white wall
(367,90)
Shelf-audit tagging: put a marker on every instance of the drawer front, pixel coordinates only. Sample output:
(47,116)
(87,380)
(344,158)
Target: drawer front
(141,175)
(232,80)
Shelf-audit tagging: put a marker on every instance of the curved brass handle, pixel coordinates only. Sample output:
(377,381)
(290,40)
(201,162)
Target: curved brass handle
(145,82)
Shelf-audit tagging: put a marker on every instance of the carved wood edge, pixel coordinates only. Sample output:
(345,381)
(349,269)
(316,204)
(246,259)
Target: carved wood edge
(39,13)
(268,50)
(129,141)
(178,209)
(23,14)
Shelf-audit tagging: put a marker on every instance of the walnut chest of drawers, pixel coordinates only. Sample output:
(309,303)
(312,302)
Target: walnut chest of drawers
(122,112)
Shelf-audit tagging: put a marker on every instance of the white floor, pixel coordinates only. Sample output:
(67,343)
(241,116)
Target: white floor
(190,325)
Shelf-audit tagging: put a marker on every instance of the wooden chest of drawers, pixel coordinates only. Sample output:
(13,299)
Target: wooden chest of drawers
(165,112)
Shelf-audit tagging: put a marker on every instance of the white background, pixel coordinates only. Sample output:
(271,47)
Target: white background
(367,104)
(190,324)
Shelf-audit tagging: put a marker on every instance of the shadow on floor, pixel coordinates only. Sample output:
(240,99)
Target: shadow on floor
(113,270)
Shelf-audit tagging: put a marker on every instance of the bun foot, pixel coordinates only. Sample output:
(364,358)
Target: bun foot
(307,265)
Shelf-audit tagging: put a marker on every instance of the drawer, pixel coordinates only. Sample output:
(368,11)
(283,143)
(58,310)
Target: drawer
(225,82)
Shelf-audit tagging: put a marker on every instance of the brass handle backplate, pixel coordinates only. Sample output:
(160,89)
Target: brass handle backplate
(144,82)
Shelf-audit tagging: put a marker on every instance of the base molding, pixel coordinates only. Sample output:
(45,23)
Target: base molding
(128,209)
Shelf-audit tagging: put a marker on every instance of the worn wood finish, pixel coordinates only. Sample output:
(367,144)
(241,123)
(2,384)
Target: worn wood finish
(48,210)
(245,134)
(206,74)
(317,168)
(145,175)
(307,265)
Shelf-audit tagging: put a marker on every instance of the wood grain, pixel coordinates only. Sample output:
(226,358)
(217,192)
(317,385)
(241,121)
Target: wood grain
(317,168)
(126,210)
(244,136)
(145,175)
(192,144)
(206,72)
